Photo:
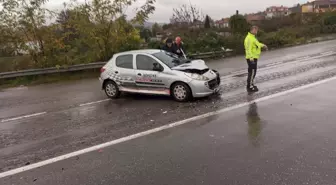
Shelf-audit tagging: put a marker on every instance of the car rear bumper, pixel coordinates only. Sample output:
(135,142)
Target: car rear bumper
(101,82)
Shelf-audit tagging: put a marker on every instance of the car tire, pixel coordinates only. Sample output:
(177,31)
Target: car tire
(111,90)
(181,92)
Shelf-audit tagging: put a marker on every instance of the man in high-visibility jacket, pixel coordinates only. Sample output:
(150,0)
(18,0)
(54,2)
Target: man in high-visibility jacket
(252,50)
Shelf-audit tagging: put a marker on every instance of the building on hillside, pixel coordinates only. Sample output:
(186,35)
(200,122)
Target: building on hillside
(255,18)
(179,24)
(295,9)
(276,11)
(158,37)
(197,24)
(168,32)
(223,23)
(224,33)
(321,6)
(307,8)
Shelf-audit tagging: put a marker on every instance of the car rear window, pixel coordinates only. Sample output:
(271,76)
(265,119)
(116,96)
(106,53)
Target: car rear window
(125,61)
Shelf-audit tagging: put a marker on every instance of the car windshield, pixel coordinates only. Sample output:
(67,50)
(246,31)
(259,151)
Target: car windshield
(170,59)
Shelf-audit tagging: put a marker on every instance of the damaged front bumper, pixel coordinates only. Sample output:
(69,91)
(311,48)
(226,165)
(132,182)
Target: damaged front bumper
(205,88)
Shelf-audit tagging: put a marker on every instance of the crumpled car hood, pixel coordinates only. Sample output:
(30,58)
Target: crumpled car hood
(193,65)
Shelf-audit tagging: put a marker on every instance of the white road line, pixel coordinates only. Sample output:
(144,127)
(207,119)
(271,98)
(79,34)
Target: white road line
(273,64)
(328,52)
(151,131)
(302,58)
(22,117)
(94,102)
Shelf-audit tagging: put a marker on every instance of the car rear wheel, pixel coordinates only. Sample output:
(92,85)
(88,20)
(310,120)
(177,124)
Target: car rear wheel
(111,90)
(181,92)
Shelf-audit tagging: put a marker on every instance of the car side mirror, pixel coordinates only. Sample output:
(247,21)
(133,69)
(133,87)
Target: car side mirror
(157,67)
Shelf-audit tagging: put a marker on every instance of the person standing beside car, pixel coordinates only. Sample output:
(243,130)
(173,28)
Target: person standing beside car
(169,46)
(252,51)
(179,49)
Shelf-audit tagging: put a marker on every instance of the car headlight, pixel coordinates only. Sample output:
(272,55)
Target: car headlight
(197,76)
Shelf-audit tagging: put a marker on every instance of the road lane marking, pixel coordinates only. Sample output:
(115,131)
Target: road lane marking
(303,58)
(158,129)
(22,117)
(327,53)
(273,64)
(94,102)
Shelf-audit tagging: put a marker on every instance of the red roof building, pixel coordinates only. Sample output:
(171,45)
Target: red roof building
(276,11)
(223,23)
(324,5)
(255,18)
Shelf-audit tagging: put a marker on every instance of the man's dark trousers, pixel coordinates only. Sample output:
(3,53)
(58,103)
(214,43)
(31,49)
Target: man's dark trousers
(252,71)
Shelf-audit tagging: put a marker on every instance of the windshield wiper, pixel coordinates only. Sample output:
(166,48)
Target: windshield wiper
(176,61)
(185,60)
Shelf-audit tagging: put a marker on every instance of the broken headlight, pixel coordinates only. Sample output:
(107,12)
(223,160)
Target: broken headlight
(197,76)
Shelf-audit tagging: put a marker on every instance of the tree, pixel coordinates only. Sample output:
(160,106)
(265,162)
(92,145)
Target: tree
(86,32)
(108,31)
(156,28)
(7,42)
(186,14)
(166,26)
(238,24)
(27,19)
(145,34)
(207,22)
(66,19)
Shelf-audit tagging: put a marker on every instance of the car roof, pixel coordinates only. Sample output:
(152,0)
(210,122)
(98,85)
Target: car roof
(140,51)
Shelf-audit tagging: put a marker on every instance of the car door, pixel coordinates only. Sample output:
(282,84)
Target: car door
(124,71)
(146,75)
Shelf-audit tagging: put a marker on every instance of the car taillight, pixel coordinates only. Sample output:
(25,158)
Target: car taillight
(102,70)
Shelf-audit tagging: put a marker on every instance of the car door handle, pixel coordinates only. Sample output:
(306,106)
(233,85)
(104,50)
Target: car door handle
(139,74)
(116,72)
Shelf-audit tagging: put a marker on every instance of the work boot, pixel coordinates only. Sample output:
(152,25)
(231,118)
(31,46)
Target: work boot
(254,86)
(252,89)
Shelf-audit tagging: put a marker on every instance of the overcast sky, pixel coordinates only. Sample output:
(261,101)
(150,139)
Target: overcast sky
(216,9)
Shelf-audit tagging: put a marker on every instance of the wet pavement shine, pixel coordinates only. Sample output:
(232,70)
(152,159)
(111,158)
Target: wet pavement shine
(284,140)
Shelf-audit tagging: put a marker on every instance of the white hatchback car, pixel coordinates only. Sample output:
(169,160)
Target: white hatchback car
(158,72)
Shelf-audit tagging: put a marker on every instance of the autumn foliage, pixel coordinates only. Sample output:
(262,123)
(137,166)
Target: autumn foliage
(80,33)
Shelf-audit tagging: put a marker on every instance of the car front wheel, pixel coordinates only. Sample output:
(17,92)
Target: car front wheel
(111,90)
(181,92)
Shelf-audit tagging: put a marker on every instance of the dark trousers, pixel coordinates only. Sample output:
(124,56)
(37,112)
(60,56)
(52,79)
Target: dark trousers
(252,71)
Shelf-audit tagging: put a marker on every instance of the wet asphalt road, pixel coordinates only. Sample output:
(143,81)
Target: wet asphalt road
(279,141)
(53,97)
(73,120)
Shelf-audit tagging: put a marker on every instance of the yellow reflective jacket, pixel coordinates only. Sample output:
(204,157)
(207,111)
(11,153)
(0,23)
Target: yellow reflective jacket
(252,47)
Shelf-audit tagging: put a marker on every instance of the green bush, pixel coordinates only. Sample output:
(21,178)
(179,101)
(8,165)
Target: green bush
(330,20)
(278,39)
(329,29)
(155,45)
(236,43)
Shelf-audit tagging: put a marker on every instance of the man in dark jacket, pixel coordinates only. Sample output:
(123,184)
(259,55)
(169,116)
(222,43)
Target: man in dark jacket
(179,49)
(169,47)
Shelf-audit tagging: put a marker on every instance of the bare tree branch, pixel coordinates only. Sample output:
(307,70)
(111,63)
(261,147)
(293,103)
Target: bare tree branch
(186,14)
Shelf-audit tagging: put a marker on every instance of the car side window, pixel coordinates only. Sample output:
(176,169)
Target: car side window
(147,63)
(125,61)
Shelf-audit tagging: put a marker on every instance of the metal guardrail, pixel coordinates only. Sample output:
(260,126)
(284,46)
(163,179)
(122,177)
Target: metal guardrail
(80,67)
(42,71)
(211,54)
